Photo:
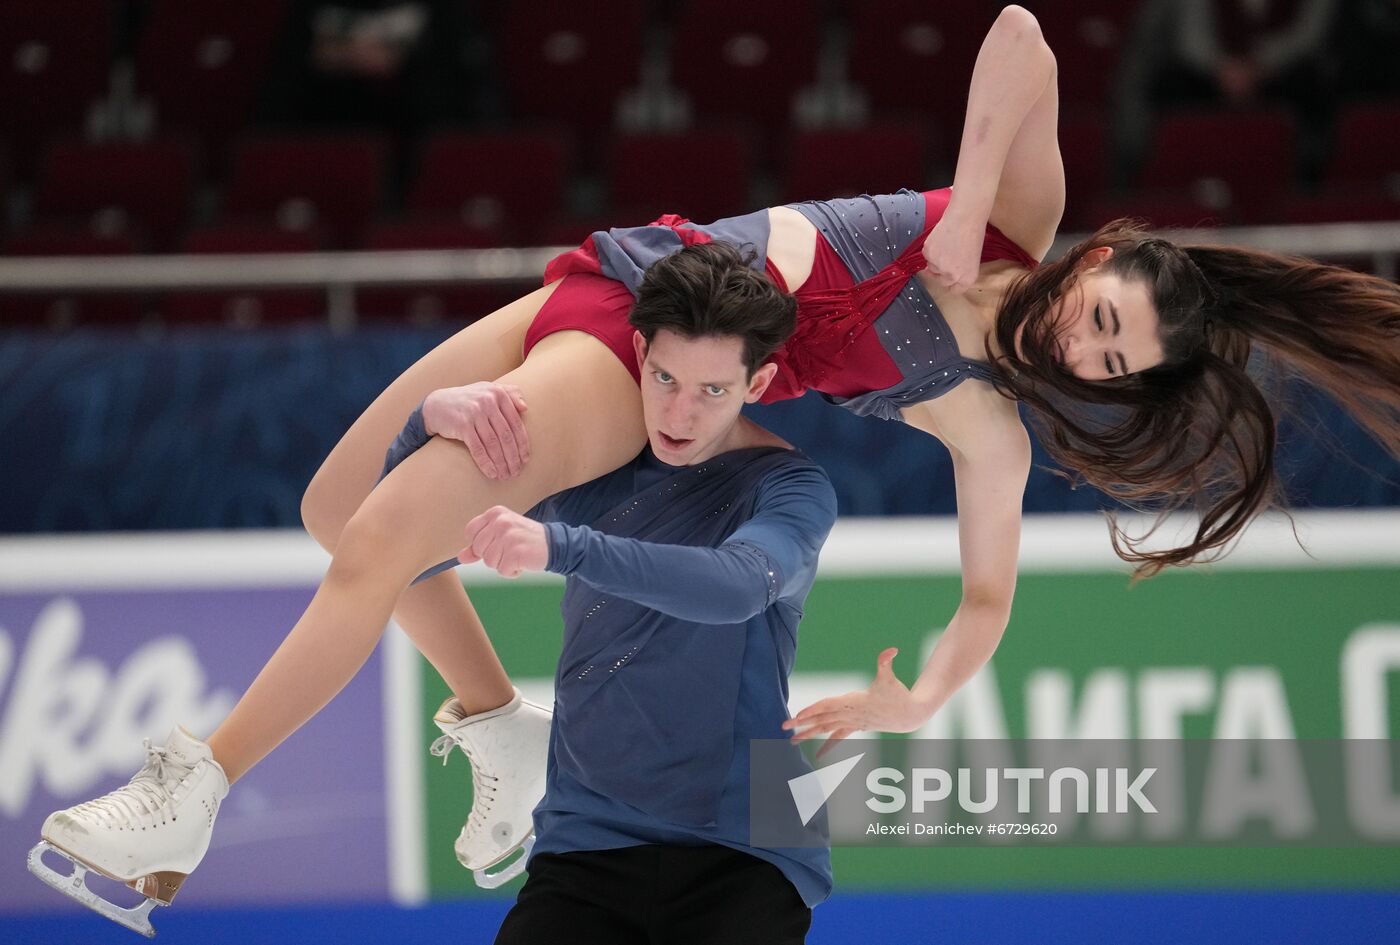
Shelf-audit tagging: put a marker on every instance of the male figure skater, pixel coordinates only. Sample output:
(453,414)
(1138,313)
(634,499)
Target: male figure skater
(687,570)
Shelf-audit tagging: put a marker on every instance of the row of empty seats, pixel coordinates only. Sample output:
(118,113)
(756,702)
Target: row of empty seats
(204,183)
(559,60)
(510,188)
(305,193)
(200,63)
(505,188)
(1238,167)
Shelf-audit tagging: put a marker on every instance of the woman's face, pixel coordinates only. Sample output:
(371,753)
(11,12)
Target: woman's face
(1105,327)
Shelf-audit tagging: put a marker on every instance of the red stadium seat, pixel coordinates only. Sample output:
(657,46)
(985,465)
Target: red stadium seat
(1087,37)
(55,58)
(1084,150)
(247,308)
(1250,152)
(703,175)
(1343,204)
(915,57)
(509,182)
(1165,209)
(1368,144)
(431,304)
(567,60)
(64,310)
(875,160)
(6,169)
(570,231)
(333,182)
(116,186)
(201,63)
(740,59)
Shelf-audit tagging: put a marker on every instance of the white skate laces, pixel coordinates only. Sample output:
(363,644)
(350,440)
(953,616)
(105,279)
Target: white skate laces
(507,748)
(483,782)
(149,834)
(144,798)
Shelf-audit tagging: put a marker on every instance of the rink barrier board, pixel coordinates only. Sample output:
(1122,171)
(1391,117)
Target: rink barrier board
(226,598)
(1266,634)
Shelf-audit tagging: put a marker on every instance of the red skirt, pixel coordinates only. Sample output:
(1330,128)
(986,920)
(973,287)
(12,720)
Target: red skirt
(591,303)
(831,351)
(599,306)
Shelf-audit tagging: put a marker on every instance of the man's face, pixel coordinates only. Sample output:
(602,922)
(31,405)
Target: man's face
(692,390)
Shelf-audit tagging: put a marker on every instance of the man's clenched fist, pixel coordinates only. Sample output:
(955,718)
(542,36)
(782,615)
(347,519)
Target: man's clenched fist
(506,541)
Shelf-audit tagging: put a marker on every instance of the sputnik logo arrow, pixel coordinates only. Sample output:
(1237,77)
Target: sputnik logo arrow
(810,791)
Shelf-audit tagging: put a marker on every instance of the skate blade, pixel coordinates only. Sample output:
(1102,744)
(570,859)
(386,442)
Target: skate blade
(508,872)
(74,886)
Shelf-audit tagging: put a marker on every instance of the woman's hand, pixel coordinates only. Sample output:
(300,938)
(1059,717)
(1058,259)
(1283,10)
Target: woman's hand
(486,417)
(953,252)
(887,706)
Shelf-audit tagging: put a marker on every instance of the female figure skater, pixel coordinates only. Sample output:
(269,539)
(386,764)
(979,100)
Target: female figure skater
(900,300)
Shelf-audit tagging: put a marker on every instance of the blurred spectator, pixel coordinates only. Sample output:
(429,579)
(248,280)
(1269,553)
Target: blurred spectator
(1228,53)
(1368,41)
(397,65)
(1243,52)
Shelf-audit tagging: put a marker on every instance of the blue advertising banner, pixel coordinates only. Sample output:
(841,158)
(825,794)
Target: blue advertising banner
(85,675)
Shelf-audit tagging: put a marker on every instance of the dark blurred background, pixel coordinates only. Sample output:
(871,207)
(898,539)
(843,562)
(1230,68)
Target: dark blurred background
(137,127)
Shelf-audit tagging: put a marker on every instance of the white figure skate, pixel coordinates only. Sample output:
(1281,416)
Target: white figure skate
(150,834)
(507,749)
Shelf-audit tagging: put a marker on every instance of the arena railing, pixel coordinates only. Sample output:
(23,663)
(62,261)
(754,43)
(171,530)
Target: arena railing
(341,273)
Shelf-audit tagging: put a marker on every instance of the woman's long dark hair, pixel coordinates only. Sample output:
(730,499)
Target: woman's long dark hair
(1197,431)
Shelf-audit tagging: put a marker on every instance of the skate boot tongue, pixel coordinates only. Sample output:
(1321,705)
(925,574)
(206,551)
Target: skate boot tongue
(450,713)
(184,748)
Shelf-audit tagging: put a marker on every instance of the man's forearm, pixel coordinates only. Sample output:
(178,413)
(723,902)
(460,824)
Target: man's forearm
(721,585)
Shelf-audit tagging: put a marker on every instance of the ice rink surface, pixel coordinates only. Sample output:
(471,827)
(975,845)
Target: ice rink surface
(1149,918)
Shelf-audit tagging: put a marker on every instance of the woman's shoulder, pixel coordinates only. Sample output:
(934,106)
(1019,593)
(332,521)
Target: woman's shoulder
(973,418)
(792,245)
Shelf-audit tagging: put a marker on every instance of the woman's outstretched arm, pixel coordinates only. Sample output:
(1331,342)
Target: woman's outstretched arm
(990,479)
(991,460)
(1009,170)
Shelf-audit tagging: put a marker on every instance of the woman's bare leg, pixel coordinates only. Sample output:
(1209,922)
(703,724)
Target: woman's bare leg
(584,420)
(439,618)
(436,615)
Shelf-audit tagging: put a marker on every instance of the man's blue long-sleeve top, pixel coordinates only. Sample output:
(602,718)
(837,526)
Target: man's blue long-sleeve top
(768,559)
(685,587)
(765,560)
